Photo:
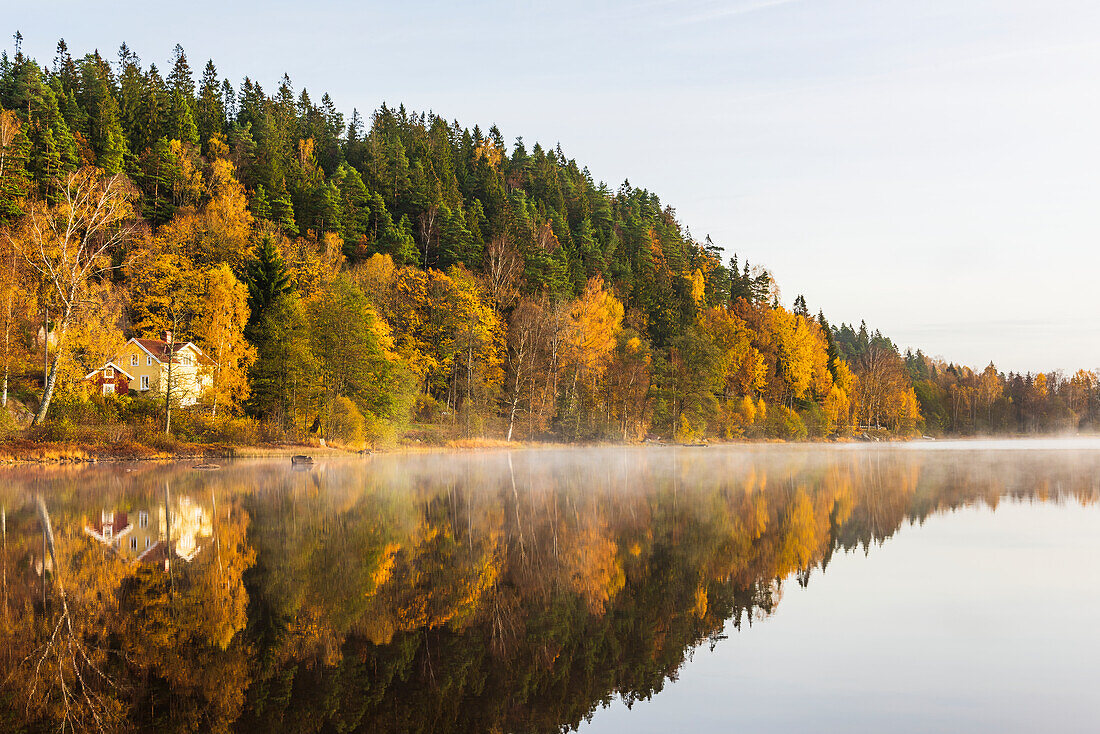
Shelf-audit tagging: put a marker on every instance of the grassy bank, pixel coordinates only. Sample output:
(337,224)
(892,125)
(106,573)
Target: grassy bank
(96,428)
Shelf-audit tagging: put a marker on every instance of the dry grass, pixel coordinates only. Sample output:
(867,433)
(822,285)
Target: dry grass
(111,444)
(23,450)
(17,450)
(278,450)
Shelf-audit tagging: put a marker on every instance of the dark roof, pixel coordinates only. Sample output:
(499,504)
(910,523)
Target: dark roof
(156,553)
(159,553)
(121,522)
(118,369)
(159,349)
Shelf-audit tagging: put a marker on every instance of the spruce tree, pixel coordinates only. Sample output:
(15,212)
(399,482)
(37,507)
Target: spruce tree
(181,124)
(131,96)
(282,209)
(160,172)
(830,343)
(14,180)
(260,206)
(210,106)
(267,280)
(103,127)
(355,205)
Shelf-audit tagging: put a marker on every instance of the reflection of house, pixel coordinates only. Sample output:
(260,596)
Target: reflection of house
(143,535)
(190,525)
(111,528)
(146,362)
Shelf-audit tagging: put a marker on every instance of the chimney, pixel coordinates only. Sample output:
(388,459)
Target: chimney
(168,337)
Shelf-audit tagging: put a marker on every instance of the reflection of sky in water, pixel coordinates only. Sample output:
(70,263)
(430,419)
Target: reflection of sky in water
(977,621)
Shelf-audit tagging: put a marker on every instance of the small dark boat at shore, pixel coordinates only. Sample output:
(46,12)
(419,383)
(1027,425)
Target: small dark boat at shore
(301,460)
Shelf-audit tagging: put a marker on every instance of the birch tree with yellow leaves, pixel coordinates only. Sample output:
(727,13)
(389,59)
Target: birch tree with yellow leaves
(69,245)
(595,320)
(219,331)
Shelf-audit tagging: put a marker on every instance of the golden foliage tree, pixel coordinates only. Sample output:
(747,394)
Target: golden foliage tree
(219,330)
(69,245)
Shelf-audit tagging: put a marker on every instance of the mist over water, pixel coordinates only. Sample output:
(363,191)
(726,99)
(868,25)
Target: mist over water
(915,587)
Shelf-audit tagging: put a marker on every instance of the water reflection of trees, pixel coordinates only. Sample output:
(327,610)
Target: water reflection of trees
(479,593)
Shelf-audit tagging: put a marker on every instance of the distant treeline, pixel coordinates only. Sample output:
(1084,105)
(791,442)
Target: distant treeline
(409,277)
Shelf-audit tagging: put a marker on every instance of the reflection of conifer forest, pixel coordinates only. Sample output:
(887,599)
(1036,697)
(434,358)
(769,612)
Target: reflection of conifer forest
(492,592)
(404,277)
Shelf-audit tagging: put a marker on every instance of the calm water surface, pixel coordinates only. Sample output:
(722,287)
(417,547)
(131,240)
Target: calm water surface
(924,587)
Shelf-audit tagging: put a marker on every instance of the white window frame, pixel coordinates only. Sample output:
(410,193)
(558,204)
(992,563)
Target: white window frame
(133,542)
(108,388)
(145,382)
(134,360)
(148,360)
(143,519)
(109,372)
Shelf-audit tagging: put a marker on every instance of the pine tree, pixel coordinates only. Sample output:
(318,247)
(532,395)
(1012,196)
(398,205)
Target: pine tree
(267,280)
(282,209)
(355,204)
(181,124)
(456,243)
(399,242)
(53,150)
(151,120)
(229,100)
(260,206)
(282,376)
(210,107)
(180,79)
(159,173)
(104,129)
(181,87)
(131,97)
(830,344)
(14,181)
(65,69)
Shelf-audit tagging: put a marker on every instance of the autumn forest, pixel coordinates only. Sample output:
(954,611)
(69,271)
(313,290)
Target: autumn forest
(396,277)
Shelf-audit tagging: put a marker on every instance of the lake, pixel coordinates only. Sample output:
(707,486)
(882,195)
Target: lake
(937,586)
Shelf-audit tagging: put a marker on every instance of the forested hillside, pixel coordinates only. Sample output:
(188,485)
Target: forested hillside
(402,277)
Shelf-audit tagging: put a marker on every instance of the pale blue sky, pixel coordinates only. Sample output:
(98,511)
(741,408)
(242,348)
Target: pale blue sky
(931,166)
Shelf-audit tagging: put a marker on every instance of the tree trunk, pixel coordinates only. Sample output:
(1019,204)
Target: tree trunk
(51,380)
(168,536)
(512,416)
(168,384)
(4,526)
(217,382)
(7,333)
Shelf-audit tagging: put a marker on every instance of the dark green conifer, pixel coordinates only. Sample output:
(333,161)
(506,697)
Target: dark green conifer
(282,209)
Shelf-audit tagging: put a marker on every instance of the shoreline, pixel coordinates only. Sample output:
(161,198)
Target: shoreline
(22,452)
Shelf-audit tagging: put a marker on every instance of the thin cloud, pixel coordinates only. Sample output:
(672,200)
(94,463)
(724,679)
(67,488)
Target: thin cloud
(732,11)
(939,66)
